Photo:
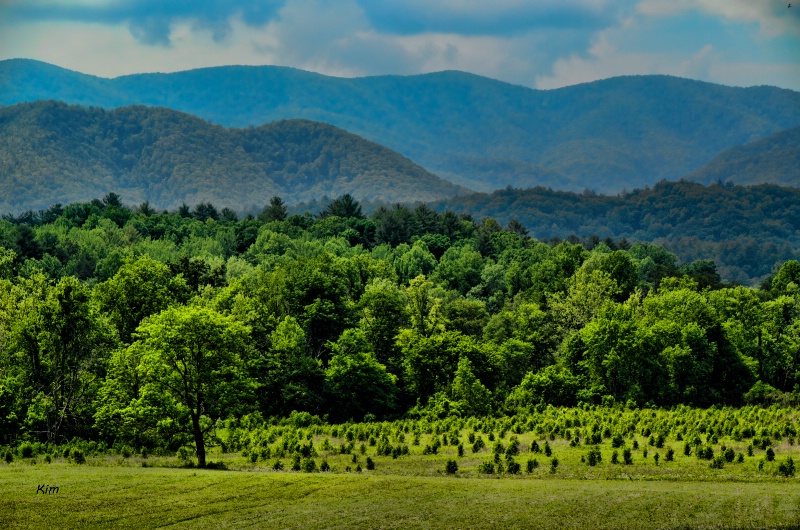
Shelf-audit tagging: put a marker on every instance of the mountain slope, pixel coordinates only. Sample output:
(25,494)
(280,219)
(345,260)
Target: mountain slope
(775,159)
(607,135)
(51,152)
(746,230)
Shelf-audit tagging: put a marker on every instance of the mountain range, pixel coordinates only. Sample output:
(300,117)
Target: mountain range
(620,133)
(775,159)
(51,152)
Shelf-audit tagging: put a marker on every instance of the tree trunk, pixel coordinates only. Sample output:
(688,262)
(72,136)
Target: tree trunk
(198,441)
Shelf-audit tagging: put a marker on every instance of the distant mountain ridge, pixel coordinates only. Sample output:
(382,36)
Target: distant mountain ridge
(623,132)
(52,152)
(775,159)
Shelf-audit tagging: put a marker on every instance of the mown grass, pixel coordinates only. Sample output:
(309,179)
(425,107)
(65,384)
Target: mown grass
(127,497)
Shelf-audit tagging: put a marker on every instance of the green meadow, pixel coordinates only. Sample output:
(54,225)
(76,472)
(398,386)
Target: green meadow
(130,497)
(411,487)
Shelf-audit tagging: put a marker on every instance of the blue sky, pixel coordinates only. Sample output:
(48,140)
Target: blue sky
(540,44)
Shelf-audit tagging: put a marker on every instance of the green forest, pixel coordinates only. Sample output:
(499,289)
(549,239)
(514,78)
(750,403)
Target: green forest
(128,327)
(747,231)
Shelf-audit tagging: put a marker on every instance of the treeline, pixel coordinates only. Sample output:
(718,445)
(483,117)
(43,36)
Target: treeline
(130,326)
(746,230)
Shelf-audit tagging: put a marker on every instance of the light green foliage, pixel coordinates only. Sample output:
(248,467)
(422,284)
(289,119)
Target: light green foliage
(140,288)
(471,397)
(431,362)
(414,261)
(459,269)
(551,385)
(385,311)
(7,258)
(194,356)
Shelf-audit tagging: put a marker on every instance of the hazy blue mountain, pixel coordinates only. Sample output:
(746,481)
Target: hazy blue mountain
(52,152)
(607,135)
(746,230)
(774,159)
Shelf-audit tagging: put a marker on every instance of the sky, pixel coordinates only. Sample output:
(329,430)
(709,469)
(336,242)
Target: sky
(535,43)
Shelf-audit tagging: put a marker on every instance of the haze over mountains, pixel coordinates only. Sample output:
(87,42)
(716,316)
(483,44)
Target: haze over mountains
(51,152)
(625,132)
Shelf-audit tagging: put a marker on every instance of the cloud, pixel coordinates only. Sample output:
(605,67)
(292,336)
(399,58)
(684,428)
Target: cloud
(499,18)
(773,17)
(678,38)
(149,21)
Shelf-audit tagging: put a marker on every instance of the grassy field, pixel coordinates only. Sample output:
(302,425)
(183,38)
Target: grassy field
(128,489)
(112,496)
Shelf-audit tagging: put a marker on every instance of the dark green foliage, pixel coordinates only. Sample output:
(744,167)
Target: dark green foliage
(531,465)
(705,452)
(26,450)
(627,456)
(486,468)
(451,467)
(77,456)
(594,457)
(718,462)
(670,454)
(769,454)
(786,468)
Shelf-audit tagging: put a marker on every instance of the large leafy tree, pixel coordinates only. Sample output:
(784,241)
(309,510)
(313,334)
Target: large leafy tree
(195,356)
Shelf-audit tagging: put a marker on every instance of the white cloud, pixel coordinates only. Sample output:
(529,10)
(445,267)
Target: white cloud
(773,17)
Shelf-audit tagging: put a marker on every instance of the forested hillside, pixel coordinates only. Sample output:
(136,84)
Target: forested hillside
(624,132)
(745,230)
(128,327)
(775,159)
(51,152)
